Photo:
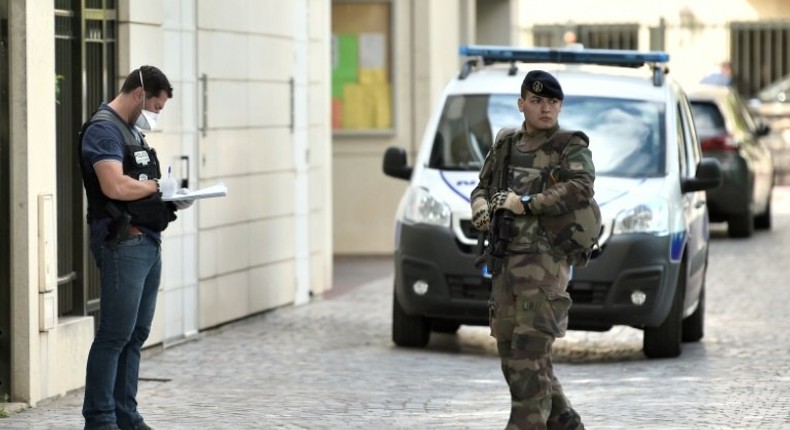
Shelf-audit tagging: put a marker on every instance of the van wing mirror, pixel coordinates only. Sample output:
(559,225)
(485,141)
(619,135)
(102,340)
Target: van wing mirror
(395,163)
(708,176)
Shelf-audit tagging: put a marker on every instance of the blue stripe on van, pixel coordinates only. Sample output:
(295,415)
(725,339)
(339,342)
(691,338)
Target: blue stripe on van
(452,187)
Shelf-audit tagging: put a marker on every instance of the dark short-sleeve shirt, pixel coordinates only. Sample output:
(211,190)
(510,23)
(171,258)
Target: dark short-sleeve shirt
(103,141)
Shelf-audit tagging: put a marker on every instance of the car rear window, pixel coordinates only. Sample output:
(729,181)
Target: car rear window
(626,136)
(708,119)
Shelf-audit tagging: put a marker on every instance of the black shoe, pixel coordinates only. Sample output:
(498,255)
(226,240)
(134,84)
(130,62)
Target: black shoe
(139,426)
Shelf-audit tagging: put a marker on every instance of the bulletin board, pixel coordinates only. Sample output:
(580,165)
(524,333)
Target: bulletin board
(361,66)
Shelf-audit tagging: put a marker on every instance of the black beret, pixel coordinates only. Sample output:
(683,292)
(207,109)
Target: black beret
(543,84)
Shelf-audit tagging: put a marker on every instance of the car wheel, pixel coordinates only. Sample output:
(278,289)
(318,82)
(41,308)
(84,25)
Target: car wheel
(694,324)
(408,330)
(741,225)
(664,341)
(763,222)
(445,326)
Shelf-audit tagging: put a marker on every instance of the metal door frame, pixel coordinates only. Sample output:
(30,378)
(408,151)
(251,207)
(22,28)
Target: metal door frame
(5,208)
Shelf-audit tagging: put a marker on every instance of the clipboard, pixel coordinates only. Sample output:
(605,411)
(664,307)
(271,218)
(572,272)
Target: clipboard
(217,190)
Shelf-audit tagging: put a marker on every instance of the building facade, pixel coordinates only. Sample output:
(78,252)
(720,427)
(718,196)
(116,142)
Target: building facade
(754,35)
(250,110)
(291,105)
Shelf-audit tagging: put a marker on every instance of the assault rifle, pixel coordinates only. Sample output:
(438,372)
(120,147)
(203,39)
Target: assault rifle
(492,244)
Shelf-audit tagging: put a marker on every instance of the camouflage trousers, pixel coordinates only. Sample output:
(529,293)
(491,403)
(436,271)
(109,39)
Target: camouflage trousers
(528,311)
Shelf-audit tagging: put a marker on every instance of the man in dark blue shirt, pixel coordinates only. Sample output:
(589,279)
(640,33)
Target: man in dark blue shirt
(126,214)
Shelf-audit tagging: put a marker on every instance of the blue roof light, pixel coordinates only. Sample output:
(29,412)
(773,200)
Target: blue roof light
(614,57)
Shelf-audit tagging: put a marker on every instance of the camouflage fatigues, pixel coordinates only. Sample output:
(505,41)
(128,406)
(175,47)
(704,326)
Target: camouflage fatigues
(529,307)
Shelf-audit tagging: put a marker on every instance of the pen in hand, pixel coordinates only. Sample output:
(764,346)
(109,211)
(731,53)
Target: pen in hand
(168,184)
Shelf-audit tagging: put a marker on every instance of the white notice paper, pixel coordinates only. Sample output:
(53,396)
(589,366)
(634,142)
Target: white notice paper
(372,50)
(218,190)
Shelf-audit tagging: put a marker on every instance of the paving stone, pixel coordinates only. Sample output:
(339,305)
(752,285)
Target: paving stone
(330,364)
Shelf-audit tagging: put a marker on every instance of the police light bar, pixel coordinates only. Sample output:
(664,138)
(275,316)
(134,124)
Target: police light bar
(613,57)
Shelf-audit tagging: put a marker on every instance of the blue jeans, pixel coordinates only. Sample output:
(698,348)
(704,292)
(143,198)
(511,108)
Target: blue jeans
(130,273)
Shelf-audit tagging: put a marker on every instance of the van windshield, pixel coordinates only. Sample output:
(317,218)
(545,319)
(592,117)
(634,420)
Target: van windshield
(626,136)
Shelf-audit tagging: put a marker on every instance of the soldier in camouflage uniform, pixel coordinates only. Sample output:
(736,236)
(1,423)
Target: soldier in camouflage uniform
(550,172)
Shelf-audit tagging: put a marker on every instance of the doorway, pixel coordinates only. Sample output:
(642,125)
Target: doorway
(85,67)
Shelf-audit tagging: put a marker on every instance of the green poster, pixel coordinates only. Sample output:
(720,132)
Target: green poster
(346,62)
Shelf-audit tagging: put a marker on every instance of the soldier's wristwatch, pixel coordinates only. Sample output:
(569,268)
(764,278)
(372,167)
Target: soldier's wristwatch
(525,199)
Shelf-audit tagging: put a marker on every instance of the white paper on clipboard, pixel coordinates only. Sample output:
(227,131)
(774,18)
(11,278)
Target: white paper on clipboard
(217,190)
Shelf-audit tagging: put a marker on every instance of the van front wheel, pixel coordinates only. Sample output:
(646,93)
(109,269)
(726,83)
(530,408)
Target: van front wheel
(665,340)
(407,330)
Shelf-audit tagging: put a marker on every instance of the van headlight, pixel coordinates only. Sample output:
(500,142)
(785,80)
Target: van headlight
(422,208)
(650,217)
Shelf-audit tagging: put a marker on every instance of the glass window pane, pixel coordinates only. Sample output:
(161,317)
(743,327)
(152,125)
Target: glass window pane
(626,136)
(361,66)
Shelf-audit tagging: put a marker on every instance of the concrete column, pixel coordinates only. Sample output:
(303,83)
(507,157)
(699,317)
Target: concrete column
(32,160)
(468,21)
(497,22)
(434,56)
(299,129)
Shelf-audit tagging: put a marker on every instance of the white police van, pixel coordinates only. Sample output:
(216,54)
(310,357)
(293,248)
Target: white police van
(649,271)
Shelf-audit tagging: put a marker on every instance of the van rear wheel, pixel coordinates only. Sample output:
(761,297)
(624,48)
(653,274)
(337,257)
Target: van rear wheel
(408,330)
(741,225)
(763,221)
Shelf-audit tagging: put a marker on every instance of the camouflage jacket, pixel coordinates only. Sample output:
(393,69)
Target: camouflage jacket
(555,166)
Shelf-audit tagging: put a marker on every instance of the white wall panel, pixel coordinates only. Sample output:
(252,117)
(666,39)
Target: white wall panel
(271,241)
(249,198)
(146,48)
(228,104)
(149,12)
(271,286)
(269,104)
(250,151)
(208,257)
(220,55)
(273,17)
(270,58)
(225,15)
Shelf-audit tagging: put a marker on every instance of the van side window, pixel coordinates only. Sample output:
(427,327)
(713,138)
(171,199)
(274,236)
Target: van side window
(692,141)
(681,135)
(463,135)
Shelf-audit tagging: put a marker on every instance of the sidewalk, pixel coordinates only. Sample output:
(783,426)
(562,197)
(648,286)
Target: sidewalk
(234,376)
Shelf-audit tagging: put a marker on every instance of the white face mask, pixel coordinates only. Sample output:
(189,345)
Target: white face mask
(147,119)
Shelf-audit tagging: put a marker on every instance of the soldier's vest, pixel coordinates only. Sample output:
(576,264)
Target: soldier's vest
(573,234)
(139,160)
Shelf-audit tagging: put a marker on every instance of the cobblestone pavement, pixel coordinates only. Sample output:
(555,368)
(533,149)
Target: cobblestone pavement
(331,365)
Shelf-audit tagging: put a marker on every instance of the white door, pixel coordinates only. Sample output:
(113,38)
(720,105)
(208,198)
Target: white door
(178,305)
